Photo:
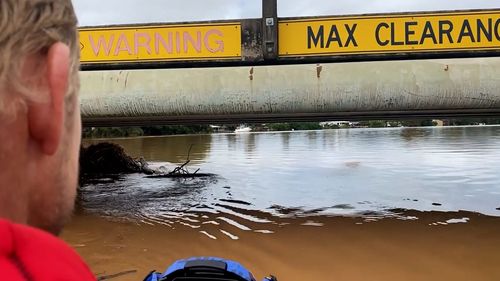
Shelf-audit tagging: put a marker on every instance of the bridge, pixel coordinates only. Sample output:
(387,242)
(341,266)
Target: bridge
(381,66)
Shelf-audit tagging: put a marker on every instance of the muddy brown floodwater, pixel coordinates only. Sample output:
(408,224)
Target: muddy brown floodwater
(389,204)
(318,248)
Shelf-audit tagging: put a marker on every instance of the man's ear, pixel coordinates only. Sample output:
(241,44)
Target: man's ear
(46,118)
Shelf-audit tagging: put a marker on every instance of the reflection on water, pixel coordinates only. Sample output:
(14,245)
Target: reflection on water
(170,149)
(358,204)
(129,198)
(410,134)
(363,170)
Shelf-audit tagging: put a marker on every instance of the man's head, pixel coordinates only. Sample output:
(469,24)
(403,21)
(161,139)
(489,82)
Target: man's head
(39,111)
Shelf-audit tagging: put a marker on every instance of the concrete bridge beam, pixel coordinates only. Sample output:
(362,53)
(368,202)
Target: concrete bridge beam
(384,89)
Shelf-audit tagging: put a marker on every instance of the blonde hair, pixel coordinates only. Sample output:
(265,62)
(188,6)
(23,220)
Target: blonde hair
(29,28)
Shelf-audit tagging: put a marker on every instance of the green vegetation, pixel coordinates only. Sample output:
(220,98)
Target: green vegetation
(113,132)
(397,123)
(376,124)
(176,130)
(116,132)
(428,122)
(474,121)
(294,126)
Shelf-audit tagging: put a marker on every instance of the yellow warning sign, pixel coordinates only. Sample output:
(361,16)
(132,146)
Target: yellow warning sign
(379,34)
(160,43)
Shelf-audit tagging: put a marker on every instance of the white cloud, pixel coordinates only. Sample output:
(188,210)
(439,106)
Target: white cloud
(292,8)
(99,12)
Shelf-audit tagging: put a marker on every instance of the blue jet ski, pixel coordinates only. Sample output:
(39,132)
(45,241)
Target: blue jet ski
(205,269)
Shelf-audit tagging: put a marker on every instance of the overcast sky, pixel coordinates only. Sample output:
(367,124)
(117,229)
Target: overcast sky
(101,12)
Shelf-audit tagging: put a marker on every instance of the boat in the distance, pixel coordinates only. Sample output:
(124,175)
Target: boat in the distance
(243,129)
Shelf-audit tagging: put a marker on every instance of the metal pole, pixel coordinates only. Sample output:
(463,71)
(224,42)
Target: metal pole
(270,29)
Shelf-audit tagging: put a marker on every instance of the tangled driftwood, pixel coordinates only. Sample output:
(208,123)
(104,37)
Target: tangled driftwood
(182,171)
(108,159)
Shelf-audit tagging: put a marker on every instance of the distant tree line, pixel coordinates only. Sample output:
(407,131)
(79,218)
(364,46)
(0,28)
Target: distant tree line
(298,126)
(473,121)
(428,122)
(119,132)
(396,123)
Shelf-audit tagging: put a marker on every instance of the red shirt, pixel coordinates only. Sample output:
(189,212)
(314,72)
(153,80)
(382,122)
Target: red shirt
(29,254)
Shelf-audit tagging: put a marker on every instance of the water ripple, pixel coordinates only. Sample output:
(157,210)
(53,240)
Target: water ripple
(366,173)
